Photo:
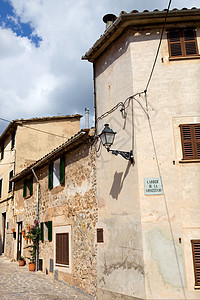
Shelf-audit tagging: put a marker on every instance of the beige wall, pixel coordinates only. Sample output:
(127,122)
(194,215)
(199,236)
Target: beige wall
(32,143)
(138,258)
(71,208)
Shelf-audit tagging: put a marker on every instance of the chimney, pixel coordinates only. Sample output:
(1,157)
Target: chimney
(109,19)
(86,118)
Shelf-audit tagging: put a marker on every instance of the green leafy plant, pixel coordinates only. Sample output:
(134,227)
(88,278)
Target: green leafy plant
(33,235)
(21,258)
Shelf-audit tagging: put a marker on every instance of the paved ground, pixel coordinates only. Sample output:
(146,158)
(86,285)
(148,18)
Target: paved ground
(19,283)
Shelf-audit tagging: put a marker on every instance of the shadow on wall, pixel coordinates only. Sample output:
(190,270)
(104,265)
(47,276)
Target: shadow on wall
(118,182)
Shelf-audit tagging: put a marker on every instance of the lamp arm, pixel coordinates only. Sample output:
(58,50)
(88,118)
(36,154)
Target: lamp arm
(124,154)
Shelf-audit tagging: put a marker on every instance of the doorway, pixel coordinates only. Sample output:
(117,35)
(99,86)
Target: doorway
(3,231)
(19,240)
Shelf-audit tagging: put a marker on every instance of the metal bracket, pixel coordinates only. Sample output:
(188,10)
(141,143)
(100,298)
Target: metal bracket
(124,154)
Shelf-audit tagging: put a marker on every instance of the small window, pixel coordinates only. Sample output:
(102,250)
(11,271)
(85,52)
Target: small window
(190,137)
(2,151)
(62,248)
(10,182)
(28,187)
(1,182)
(100,235)
(182,42)
(196,260)
(56,173)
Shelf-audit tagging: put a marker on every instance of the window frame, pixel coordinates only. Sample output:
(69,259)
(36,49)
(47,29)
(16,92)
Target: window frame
(57,230)
(191,144)
(182,43)
(10,183)
(28,186)
(56,173)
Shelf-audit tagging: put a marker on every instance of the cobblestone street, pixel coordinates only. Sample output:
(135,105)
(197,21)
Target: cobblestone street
(19,283)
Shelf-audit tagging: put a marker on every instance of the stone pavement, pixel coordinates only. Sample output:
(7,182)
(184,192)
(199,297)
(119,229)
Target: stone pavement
(19,283)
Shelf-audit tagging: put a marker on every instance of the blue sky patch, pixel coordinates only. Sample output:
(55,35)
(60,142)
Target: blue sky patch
(9,19)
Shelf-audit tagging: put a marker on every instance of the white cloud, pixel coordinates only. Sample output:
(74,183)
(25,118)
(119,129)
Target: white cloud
(52,79)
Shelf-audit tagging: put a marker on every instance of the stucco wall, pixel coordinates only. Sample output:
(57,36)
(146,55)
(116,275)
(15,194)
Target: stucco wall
(155,231)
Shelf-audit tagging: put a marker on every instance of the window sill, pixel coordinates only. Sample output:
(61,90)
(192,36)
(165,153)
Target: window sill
(197,287)
(189,161)
(184,57)
(27,196)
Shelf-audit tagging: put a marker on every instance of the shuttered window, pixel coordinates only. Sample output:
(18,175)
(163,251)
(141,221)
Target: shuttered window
(42,231)
(49,231)
(190,135)
(50,178)
(2,151)
(62,170)
(25,188)
(10,182)
(31,186)
(182,42)
(62,248)
(1,180)
(196,259)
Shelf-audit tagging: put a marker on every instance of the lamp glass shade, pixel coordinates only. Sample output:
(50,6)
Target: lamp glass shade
(107,136)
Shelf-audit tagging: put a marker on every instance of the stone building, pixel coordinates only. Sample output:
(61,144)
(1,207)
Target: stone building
(60,191)
(22,143)
(149,210)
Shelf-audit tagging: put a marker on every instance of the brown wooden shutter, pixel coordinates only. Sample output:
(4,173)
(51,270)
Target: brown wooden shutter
(62,248)
(196,260)
(182,42)
(190,135)
(99,235)
(174,40)
(197,139)
(189,36)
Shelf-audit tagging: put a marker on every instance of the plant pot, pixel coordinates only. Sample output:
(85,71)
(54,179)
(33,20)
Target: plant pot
(21,263)
(26,239)
(32,267)
(23,233)
(13,229)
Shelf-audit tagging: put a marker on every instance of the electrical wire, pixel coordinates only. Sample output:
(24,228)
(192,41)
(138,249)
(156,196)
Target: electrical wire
(159,45)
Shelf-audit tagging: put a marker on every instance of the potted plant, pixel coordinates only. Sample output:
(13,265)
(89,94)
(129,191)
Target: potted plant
(13,230)
(33,235)
(21,261)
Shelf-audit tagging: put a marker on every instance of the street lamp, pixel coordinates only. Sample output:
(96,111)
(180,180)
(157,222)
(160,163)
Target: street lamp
(107,137)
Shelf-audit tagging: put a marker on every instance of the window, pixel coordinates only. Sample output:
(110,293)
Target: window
(28,187)
(190,136)
(46,231)
(13,140)
(196,260)
(99,235)
(10,185)
(2,151)
(62,248)
(182,42)
(1,182)
(56,173)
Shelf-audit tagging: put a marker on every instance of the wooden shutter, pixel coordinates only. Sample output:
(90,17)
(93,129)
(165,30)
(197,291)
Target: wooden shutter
(62,248)
(42,231)
(13,140)
(190,135)
(31,186)
(182,42)
(62,170)
(190,43)
(50,177)
(99,235)
(25,188)
(174,40)
(1,180)
(49,231)
(196,260)
(10,183)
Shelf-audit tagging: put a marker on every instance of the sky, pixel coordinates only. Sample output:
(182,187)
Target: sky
(41,45)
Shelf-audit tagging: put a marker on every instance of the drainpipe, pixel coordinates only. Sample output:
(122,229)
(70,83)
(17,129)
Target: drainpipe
(37,214)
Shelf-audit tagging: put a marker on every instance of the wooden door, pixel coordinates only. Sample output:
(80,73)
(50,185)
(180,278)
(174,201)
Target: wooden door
(3,231)
(19,240)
